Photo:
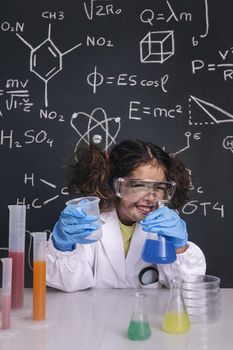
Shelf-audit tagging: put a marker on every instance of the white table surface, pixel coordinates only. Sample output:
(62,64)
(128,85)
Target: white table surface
(99,318)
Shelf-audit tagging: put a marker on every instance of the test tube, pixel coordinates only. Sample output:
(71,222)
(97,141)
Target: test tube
(17,222)
(39,275)
(6,292)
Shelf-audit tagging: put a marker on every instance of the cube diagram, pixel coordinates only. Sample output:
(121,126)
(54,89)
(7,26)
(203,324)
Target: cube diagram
(157,47)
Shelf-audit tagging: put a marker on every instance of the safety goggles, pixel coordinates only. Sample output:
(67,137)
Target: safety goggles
(132,190)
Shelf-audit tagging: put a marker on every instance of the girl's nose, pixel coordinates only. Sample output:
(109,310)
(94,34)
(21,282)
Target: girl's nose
(151,196)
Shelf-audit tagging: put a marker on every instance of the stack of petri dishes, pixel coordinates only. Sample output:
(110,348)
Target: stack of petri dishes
(201,295)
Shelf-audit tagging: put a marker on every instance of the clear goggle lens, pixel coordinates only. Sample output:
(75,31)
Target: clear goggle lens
(133,189)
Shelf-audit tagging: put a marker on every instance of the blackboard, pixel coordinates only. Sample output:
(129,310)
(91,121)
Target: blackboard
(97,71)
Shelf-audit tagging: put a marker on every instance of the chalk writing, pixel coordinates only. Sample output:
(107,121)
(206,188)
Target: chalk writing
(99,127)
(30,136)
(96,79)
(46,51)
(217,115)
(100,8)
(204,207)
(136,111)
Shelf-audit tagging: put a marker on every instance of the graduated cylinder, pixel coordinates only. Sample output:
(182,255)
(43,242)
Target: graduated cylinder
(39,275)
(6,292)
(17,223)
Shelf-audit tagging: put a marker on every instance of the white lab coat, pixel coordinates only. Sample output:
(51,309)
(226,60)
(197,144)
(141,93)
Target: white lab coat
(103,264)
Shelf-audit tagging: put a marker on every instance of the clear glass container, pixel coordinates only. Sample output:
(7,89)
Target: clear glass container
(139,328)
(6,292)
(156,249)
(176,319)
(90,205)
(201,295)
(17,223)
(39,275)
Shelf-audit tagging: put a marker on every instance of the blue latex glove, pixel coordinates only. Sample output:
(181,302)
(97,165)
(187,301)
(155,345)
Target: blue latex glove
(166,222)
(73,226)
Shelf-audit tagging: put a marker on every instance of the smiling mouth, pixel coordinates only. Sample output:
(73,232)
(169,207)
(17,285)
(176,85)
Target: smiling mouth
(144,209)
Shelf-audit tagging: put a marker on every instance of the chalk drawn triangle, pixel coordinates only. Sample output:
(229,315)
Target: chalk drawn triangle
(215,114)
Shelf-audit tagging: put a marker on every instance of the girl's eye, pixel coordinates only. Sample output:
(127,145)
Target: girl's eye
(160,188)
(136,184)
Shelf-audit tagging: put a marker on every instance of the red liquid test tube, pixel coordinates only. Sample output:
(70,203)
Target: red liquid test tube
(6,292)
(17,222)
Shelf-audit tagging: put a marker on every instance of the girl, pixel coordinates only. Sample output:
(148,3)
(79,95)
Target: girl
(130,183)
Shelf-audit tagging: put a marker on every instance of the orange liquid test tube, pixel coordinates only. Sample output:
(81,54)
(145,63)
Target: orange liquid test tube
(39,276)
(39,290)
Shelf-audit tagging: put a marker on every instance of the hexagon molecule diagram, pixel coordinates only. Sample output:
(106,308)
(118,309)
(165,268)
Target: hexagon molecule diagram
(46,60)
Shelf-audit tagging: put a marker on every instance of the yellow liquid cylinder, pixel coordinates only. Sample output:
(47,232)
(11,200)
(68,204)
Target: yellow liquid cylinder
(174,322)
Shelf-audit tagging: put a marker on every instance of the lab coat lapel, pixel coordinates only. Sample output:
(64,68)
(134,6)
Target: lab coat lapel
(136,245)
(113,243)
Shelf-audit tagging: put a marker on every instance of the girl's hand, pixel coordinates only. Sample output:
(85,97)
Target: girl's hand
(166,222)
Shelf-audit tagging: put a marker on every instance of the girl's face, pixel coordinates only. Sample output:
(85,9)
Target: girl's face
(130,213)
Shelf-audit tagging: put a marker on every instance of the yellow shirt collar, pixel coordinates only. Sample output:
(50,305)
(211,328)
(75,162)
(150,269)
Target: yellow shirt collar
(126,232)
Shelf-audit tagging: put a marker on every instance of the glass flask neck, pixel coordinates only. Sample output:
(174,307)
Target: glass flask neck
(176,319)
(176,303)
(139,328)
(139,306)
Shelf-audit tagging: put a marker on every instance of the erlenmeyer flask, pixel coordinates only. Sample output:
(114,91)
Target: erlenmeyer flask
(157,249)
(139,328)
(176,319)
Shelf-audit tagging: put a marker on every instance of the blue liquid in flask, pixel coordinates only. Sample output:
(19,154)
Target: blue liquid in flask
(158,251)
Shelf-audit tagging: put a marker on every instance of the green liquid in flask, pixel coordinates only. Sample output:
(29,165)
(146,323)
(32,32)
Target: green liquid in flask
(175,322)
(139,330)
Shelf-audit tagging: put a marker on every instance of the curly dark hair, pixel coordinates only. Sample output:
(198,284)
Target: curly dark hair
(93,171)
